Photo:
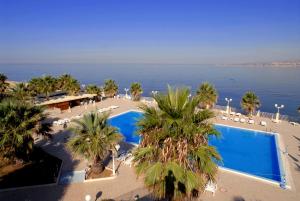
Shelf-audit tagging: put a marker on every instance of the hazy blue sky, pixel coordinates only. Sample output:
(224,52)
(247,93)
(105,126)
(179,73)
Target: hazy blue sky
(143,31)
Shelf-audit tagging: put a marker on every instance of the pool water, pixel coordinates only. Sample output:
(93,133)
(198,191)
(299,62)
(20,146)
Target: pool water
(247,151)
(126,123)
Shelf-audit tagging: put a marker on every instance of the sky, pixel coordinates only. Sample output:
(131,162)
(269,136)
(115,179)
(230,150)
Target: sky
(149,31)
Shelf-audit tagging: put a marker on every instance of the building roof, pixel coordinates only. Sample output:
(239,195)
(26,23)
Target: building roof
(67,98)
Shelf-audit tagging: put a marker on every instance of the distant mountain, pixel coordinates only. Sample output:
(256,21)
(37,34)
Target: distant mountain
(283,64)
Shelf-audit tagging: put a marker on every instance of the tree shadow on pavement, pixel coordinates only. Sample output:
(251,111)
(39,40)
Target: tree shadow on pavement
(49,192)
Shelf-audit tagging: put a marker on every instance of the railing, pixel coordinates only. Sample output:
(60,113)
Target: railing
(222,107)
(262,114)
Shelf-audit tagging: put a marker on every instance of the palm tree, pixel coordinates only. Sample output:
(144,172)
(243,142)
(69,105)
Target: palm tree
(69,84)
(93,89)
(48,85)
(21,92)
(136,91)
(19,121)
(207,94)
(110,88)
(250,102)
(34,86)
(3,83)
(174,156)
(94,137)
(44,85)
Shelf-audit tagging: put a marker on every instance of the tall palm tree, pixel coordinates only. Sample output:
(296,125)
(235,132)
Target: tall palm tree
(48,85)
(136,91)
(21,92)
(110,88)
(93,89)
(207,94)
(174,155)
(94,137)
(43,86)
(3,83)
(250,102)
(34,86)
(19,121)
(69,84)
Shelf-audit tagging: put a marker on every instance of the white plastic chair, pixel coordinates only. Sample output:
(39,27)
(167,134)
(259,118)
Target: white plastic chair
(128,161)
(211,187)
(224,118)
(242,120)
(263,123)
(251,121)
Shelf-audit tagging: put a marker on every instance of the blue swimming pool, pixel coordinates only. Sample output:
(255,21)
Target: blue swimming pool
(126,123)
(245,151)
(248,151)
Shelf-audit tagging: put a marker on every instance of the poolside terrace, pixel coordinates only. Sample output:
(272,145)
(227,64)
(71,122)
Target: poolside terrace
(125,186)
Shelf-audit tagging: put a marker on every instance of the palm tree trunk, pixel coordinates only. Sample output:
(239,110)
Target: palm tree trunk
(97,167)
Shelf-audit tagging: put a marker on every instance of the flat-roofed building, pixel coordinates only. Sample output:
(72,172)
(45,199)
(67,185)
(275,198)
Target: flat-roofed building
(67,102)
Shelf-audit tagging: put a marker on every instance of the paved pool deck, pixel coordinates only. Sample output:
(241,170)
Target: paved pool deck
(231,186)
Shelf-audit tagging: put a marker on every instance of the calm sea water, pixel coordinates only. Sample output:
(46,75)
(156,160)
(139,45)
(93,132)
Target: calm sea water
(272,85)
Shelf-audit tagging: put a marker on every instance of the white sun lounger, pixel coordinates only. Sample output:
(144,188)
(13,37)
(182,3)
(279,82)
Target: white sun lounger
(104,109)
(238,114)
(224,118)
(236,119)
(66,120)
(124,156)
(128,161)
(251,121)
(114,107)
(211,187)
(294,123)
(263,123)
(242,120)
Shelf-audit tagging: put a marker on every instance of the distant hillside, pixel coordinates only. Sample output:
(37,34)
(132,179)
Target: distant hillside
(283,64)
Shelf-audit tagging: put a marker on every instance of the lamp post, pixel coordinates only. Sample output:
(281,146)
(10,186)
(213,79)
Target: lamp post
(126,90)
(277,114)
(227,107)
(117,147)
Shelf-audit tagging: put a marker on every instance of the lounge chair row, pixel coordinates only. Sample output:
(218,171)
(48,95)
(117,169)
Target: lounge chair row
(232,113)
(108,108)
(62,121)
(243,120)
(126,158)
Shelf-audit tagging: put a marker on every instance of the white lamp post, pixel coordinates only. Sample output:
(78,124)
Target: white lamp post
(87,198)
(277,114)
(126,90)
(227,107)
(117,147)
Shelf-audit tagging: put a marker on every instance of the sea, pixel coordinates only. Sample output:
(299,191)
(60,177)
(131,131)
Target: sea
(273,85)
